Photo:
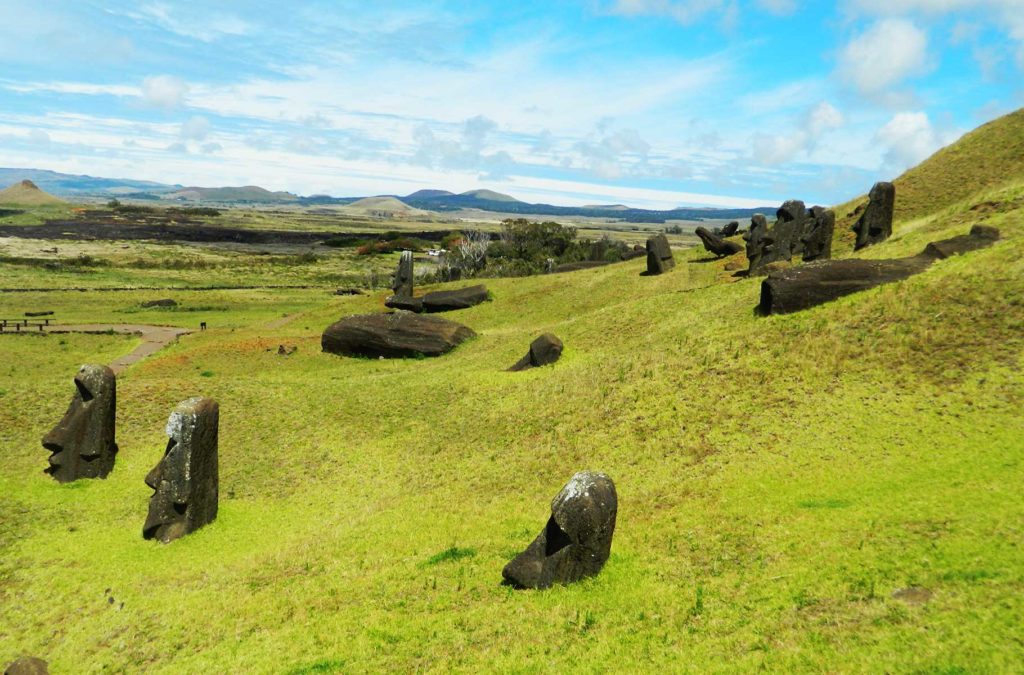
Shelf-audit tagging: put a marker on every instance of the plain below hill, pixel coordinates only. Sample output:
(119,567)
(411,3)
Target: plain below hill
(27,193)
(244,194)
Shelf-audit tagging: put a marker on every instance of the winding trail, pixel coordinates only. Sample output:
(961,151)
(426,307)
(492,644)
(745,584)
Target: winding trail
(154,338)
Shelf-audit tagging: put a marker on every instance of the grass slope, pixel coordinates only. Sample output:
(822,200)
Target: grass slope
(779,478)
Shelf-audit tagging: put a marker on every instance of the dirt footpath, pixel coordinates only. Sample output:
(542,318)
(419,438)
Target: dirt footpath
(154,338)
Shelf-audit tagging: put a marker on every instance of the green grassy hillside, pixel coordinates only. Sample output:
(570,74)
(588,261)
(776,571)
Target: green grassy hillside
(779,480)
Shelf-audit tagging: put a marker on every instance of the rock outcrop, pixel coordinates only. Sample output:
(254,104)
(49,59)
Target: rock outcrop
(544,351)
(397,335)
(875,224)
(82,444)
(717,245)
(659,255)
(577,539)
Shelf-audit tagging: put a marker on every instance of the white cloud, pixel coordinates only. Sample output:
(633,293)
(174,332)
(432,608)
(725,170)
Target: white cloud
(195,129)
(883,56)
(813,125)
(203,24)
(910,138)
(779,7)
(164,91)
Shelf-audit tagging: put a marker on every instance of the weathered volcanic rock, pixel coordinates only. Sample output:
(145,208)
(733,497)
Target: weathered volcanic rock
(82,444)
(28,665)
(461,298)
(402,284)
(636,252)
(758,240)
(730,229)
(577,539)
(407,303)
(659,255)
(875,224)
(395,335)
(580,265)
(544,350)
(163,302)
(788,229)
(818,231)
(185,481)
(717,245)
(815,283)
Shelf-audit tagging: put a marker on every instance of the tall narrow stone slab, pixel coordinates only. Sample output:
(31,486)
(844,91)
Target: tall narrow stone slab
(875,224)
(82,444)
(402,284)
(185,481)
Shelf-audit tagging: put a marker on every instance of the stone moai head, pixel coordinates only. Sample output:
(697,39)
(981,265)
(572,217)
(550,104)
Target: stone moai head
(758,241)
(659,255)
(577,539)
(82,444)
(791,219)
(402,285)
(184,483)
(817,237)
(875,224)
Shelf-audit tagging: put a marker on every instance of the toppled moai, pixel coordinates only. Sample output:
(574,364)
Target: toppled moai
(818,231)
(402,284)
(717,245)
(875,224)
(397,335)
(659,255)
(185,481)
(577,539)
(544,351)
(82,444)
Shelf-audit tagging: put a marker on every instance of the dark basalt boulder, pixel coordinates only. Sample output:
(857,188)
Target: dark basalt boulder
(817,236)
(461,298)
(163,302)
(82,444)
(402,283)
(577,539)
(815,283)
(544,351)
(717,245)
(406,303)
(730,229)
(397,335)
(185,481)
(659,255)
(875,223)
(28,665)
(349,291)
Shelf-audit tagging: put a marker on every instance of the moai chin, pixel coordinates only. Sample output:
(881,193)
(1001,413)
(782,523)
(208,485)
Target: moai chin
(82,444)
(184,482)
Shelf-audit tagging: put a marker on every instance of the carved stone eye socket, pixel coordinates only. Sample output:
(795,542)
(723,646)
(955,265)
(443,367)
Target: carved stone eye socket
(555,538)
(83,391)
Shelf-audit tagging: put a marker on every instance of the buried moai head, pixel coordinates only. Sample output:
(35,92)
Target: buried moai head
(817,237)
(875,224)
(82,444)
(659,255)
(577,539)
(184,483)
(402,285)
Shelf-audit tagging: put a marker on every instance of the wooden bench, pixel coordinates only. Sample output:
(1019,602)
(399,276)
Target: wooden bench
(18,324)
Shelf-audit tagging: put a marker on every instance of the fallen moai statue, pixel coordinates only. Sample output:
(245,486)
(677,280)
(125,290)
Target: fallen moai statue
(875,224)
(730,229)
(544,351)
(82,444)
(577,539)
(185,481)
(397,335)
(659,255)
(815,283)
(441,301)
(717,245)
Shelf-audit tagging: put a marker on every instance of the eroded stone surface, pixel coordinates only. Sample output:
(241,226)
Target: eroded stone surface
(817,236)
(758,240)
(460,298)
(729,229)
(875,223)
(717,245)
(185,481)
(544,351)
(402,284)
(28,665)
(577,539)
(659,255)
(397,335)
(82,444)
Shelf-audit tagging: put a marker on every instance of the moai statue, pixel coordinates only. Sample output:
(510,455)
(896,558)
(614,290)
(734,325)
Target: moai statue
(184,483)
(758,242)
(82,444)
(875,224)
(659,255)
(715,244)
(817,238)
(402,285)
(577,539)
(729,230)
(544,351)
(791,218)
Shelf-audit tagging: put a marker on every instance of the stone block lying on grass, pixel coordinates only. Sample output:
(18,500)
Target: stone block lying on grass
(577,539)
(440,301)
(82,444)
(544,350)
(397,335)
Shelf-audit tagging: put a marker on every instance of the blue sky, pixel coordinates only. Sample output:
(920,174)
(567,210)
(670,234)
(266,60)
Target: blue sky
(653,103)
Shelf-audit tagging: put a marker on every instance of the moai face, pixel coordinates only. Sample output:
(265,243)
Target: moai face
(185,481)
(659,255)
(817,239)
(402,285)
(875,224)
(789,227)
(577,539)
(758,241)
(82,444)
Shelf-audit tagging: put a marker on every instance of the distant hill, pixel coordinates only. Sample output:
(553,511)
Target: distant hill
(247,193)
(382,206)
(427,194)
(607,207)
(71,185)
(489,195)
(26,193)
